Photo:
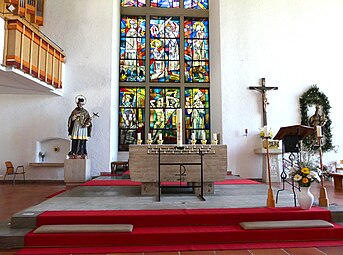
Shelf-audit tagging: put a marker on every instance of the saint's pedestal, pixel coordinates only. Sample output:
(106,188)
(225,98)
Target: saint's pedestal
(77,171)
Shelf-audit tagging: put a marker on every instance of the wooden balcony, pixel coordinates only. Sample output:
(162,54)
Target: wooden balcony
(27,52)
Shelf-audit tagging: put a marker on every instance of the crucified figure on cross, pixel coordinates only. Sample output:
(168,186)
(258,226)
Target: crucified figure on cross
(263,89)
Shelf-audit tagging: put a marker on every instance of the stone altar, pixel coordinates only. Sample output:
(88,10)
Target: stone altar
(143,165)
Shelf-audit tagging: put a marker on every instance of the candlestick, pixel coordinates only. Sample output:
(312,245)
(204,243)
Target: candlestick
(203,135)
(179,126)
(265,131)
(139,136)
(215,136)
(319,131)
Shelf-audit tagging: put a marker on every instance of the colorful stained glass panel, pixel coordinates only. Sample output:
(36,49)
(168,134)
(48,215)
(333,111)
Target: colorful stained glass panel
(131,115)
(165,3)
(132,49)
(196,4)
(196,50)
(162,119)
(164,49)
(197,112)
(133,3)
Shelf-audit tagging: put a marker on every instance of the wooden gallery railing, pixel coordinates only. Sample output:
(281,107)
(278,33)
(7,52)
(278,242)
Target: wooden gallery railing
(29,50)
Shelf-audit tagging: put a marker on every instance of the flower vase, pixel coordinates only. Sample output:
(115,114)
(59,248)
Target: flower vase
(305,198)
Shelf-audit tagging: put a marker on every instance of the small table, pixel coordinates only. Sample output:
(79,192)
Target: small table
(119,165)
(337,178)
(274,164)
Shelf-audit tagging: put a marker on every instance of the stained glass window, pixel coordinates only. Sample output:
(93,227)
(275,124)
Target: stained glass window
(164,49)
(133,3)
(165,3)
(196,4)
(163,105)
(132,49)
(197,113)
(196,50)
(131,115)
(165,56)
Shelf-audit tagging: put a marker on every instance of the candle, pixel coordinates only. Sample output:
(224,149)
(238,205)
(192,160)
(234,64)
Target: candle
(319,131)
(193,136)
(203,135)
(179,126)
(265,131)
(139,137)
(149,136)
(160,137)
(215,137)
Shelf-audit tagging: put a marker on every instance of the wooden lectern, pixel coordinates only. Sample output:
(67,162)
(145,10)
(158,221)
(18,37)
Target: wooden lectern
(291,137)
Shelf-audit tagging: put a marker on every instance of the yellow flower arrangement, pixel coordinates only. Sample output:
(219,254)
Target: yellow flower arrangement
(304,175)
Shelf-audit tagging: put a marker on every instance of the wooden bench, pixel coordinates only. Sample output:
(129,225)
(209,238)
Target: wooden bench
(119,166)
(337,180)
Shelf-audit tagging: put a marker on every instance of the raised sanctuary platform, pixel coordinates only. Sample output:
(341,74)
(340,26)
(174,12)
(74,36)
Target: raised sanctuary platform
(177,164)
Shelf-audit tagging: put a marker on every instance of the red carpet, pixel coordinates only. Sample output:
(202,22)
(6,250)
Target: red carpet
(186,229)
(131,183)
(56,193)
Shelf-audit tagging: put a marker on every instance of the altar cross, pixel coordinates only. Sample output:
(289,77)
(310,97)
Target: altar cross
(263,89)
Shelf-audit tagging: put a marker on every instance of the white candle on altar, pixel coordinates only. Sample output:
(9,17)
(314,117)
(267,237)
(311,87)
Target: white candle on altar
(203,135)
(319,131)
(193,136)
(160,137)
(139,136)
(215,137)
(265,131)
(179,126)
(149,136)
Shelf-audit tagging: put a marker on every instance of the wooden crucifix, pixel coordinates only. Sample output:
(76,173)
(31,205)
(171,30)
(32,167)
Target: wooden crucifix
(263,89)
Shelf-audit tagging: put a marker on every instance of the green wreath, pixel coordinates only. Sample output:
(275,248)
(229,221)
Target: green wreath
(314,97)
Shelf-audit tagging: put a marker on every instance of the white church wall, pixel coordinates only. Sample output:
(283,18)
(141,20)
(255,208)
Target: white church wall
(83,28)
(293,44)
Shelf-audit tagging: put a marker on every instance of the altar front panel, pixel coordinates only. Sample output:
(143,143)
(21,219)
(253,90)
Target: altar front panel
(143,163)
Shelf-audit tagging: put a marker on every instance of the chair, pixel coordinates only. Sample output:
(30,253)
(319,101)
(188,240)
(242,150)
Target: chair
(10,171)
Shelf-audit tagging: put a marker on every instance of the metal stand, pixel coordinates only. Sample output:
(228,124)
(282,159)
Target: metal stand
(182,151)
(292,159)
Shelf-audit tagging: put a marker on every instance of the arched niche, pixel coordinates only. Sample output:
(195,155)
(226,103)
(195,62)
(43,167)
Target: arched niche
(54,149)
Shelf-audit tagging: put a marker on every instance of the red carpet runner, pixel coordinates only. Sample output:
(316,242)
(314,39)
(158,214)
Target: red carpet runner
(187,229)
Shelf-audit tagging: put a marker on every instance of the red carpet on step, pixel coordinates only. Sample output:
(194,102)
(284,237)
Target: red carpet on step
(131,183)
(183,228)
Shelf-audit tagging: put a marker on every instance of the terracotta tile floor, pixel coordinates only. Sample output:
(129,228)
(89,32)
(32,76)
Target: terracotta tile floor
(21,196)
